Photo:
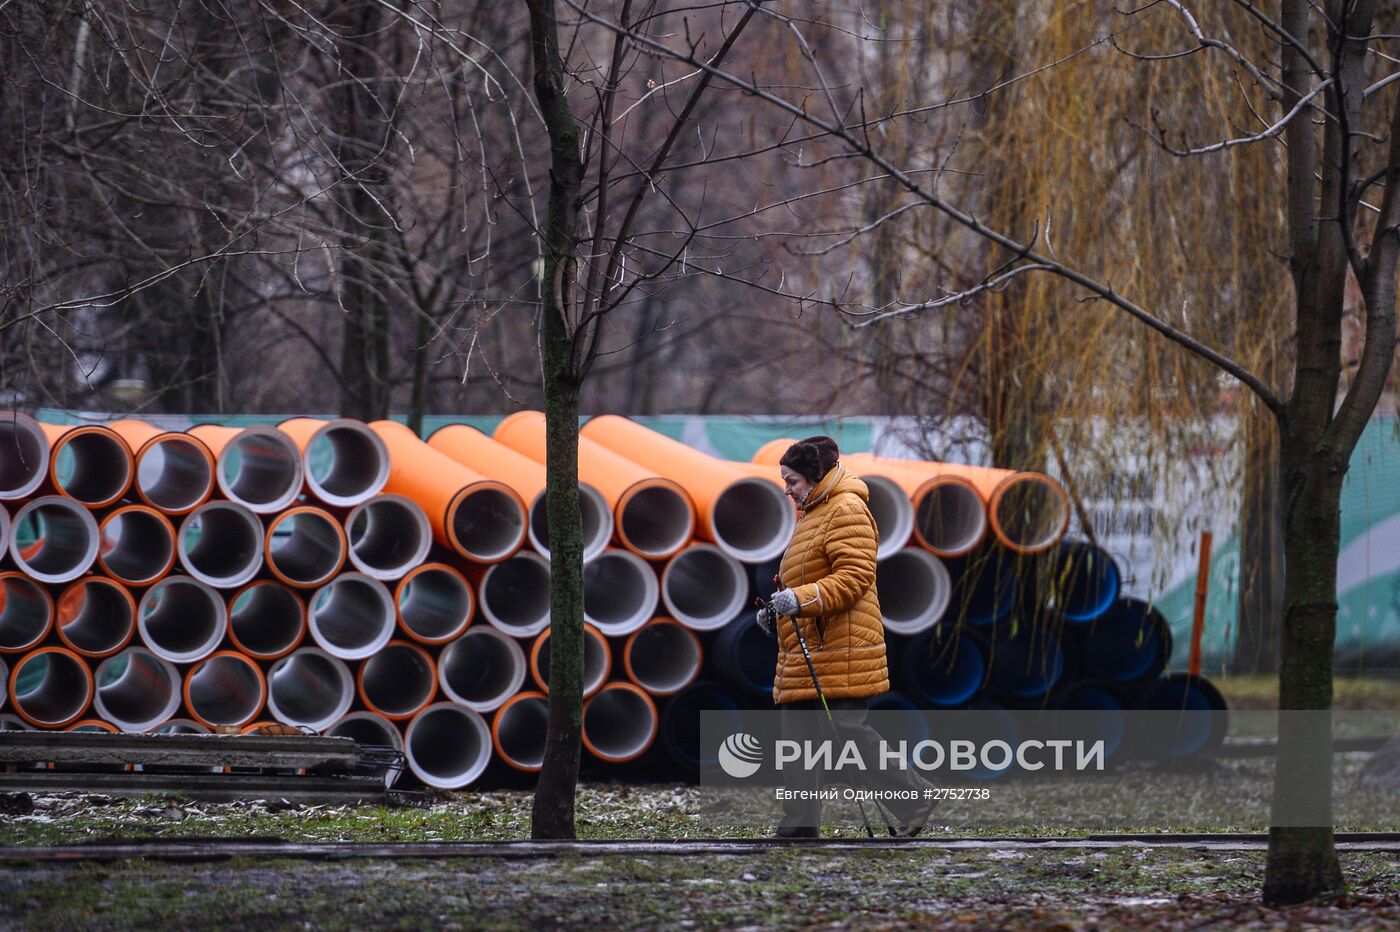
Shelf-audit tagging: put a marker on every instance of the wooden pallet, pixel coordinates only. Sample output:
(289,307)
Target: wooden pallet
(302,768)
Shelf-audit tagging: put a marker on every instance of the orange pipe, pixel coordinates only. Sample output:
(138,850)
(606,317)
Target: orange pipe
(993,486)
(526,696)
(95,724)
(190,453)
(604,695)
(772,451)
(268,489)
(26,589)
(600,645)
(70,609)
(93,482)
(423,657)
(98,725)
(673,627)
(1198,617)
(761,471)
(234,619)
(24,456)
(920,479)
(266,727)
(303,564)
(153,531)
(65,656)
(492,459)
(909,475)
(708,479)
(238,658)
(442,487)
(401,591)
(619,479)
(305,431)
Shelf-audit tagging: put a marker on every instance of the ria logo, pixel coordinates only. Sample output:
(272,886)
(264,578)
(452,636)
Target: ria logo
(740,755)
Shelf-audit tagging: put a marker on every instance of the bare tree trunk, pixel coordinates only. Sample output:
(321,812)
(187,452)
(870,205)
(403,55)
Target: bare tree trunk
(361,152)
(418,400)
(552,815)
(1260,606)
(1302,861)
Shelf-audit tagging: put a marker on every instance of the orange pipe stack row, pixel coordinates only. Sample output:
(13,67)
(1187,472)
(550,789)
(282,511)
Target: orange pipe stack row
(356,579)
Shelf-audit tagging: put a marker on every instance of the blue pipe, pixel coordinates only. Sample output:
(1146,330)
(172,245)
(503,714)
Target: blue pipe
(761,577)
(984,587)
(679,731)
(940,668)
(1128,644)
(1189,718)
(993,722)
(898,718)
(744,657)
(1080,580)
(1027,665)
(1094,711)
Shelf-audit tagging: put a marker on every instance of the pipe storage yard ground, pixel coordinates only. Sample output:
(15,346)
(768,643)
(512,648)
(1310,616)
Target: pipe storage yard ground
(358,580)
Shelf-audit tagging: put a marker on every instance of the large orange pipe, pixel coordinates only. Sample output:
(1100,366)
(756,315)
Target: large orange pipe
(397,681)
(619,723)
(950,514)
(1028,511)
(483,520)
(89,463)
(309,549)
(96,616)
(772,451)
(954,519)
(482,669)
(748,518)
(597,661)
(259,467)
(345,462)
(24,455)
(96,725)
(890,504)
(174,471)
(518,730)
(26,612)
(475,450)
(225,689)
(136,690)
(65,539)
(137,545)
(60,696)
(266,620)
(663,657)
(435,603)
(654,516)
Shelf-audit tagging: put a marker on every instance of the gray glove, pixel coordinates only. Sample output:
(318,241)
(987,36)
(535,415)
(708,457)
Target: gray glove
(765,619)
(785,602)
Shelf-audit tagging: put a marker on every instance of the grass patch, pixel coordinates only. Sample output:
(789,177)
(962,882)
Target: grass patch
(1228,796)
(783,889)
(1349,692)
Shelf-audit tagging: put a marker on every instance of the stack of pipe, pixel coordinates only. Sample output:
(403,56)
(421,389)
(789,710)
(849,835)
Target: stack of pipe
(356,580)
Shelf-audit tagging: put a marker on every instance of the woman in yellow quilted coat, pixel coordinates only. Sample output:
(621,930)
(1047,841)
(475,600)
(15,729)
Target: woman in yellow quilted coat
(828,592)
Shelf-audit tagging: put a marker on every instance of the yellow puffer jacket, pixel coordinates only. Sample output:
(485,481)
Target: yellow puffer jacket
(830,566)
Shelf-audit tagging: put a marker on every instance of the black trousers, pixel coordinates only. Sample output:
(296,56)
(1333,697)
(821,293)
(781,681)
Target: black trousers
(806,721)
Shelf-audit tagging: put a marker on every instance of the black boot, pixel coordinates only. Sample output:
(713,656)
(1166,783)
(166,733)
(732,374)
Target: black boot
(797,831)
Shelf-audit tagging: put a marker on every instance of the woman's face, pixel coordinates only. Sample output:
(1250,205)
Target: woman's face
(798,485)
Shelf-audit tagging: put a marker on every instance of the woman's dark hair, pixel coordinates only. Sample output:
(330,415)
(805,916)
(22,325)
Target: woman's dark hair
(812,457)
